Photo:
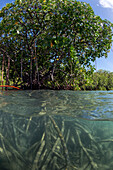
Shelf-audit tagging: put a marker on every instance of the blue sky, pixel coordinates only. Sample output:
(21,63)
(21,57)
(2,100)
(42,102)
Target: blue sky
(103,8)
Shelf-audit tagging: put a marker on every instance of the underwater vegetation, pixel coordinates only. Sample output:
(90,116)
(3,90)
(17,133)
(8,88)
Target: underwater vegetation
(49,130)
(53,142)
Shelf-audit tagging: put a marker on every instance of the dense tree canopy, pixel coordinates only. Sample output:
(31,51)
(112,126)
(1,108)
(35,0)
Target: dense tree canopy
(102,80)
(51,43)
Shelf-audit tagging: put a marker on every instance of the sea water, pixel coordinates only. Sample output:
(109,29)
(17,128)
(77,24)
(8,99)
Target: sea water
(53,130)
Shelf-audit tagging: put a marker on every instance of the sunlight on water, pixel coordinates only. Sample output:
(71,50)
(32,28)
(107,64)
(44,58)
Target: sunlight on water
(52,130)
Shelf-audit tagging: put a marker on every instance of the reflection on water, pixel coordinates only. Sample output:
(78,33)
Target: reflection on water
(52,130)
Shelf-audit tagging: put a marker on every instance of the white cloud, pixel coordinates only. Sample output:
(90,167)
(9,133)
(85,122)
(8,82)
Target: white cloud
(106,3)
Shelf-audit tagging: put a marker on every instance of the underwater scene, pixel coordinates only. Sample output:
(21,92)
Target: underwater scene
(56,130)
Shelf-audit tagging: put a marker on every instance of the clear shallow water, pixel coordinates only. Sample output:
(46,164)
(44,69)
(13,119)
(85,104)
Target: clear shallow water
(89,104)
(50,130)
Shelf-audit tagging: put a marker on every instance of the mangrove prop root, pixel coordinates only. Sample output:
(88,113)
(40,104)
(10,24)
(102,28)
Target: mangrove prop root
(28,125)
(62,141)
(3,145)
(38,154)
(93,164)
(90,136)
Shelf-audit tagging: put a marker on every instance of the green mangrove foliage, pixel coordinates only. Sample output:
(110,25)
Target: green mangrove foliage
(102,80)
(51,43)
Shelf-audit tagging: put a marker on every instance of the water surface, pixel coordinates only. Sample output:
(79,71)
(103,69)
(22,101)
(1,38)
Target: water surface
(79,104)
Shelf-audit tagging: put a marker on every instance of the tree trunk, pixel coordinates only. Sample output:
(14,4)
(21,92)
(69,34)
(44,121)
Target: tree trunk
(36,63)
(7,72)
(21,69)
(31,81)
(3,69)
(37,72)
(52,73)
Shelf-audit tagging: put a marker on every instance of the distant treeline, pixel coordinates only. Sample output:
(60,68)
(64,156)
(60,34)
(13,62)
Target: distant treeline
(100,80)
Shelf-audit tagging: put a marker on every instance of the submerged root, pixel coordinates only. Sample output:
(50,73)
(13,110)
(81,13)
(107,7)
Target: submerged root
(62,141)
(38,154)
(45,142)
(93,164)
